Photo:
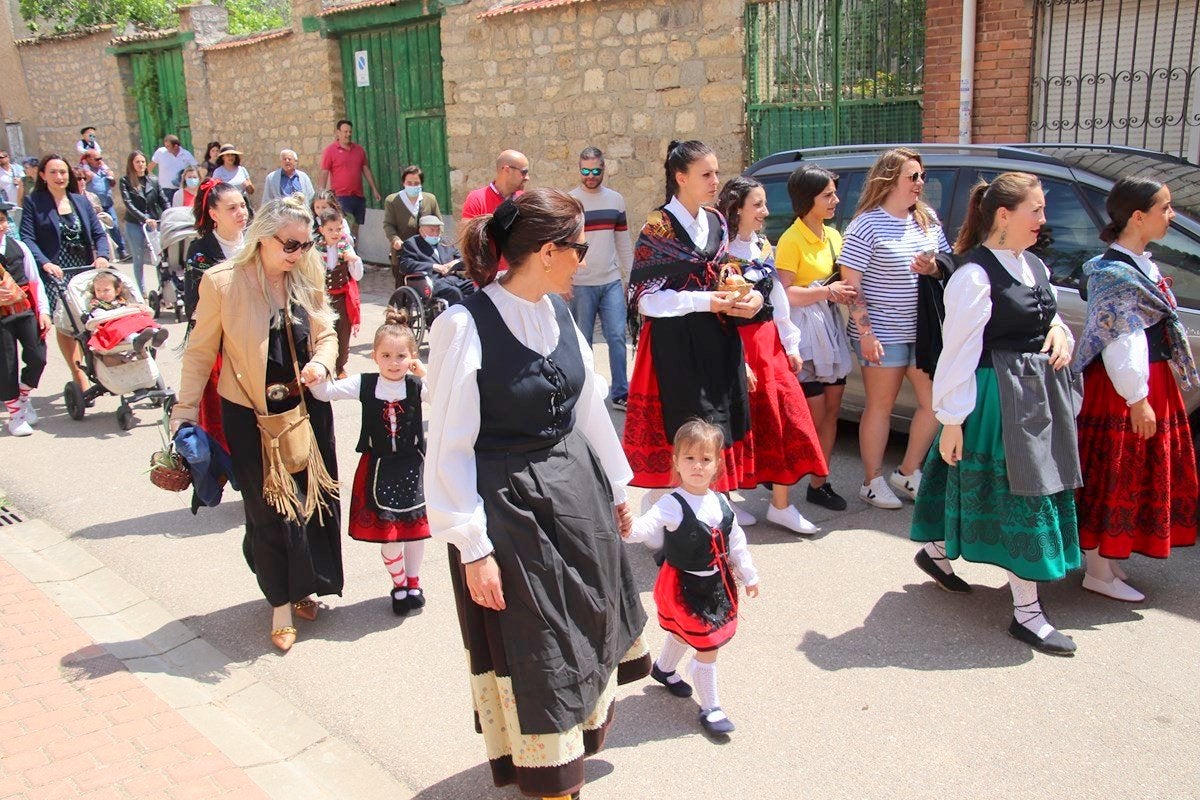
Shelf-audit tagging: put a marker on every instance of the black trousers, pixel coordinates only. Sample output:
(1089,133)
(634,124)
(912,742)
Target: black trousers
(20,330)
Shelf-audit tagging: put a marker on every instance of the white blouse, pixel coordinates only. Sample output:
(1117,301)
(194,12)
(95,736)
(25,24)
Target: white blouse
(452,501)
(968,308)
(1127,359)
(354,265)
(230,247)
(666,516)
(789,334)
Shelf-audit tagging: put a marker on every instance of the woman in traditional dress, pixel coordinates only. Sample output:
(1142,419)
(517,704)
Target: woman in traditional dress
(524,475)
(1135,445)
(1000,482)
(690,363)
(782,445)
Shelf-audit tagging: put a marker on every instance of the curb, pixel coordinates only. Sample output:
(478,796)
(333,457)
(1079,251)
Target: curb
(283,750)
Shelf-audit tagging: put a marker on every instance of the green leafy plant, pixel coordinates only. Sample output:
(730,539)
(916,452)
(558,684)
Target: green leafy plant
(62,16)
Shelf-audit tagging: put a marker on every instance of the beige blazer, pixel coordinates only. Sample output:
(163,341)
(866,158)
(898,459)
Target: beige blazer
(233,319)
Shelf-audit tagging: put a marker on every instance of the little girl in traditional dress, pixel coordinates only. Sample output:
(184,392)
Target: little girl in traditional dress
(388,500)
(110,328)
(695,593)
(343,271)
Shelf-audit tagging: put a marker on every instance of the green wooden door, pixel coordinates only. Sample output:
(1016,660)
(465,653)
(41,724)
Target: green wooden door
(161,95)
(399,116)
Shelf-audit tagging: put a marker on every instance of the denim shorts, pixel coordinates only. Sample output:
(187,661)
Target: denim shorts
(894,355)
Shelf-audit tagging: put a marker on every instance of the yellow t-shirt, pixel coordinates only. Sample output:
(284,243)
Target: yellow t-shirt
(803,254)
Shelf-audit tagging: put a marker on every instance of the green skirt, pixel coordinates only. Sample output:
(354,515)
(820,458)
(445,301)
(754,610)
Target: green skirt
(970,508)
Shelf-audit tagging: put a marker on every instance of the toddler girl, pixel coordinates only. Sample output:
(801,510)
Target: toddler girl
(343,271)
(110,329)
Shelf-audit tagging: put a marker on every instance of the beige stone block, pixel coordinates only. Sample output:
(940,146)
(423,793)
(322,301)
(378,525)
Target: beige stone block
(459,128)
(677,98)
(542,50)
(626,24)
(627,57)
(685,121)
(716,94)
(666,77)
(603,27)
(618,121)
(620,148)
(692,73)
(587,29)
(647,19)
(593,80)
(641,122)
(616,82)
(654,37)
(506,110)
(652,54)
(680,50)
(607,57)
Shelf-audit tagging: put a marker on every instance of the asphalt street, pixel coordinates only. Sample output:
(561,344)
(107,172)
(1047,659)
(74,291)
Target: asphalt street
(851,676)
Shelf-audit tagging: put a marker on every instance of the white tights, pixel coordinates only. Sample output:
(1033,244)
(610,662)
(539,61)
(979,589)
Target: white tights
(403,562)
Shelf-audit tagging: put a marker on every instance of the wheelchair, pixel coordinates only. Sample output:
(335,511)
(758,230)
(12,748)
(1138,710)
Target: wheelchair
(416,298)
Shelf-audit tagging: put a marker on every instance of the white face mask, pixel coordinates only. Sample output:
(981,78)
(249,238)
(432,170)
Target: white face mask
(413,191)
(432,240)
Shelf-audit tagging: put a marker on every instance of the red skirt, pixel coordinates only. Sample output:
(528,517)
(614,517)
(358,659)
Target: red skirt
(366,524)
(1138,496)
(679,597)
(208,415)
(645,438)
(110,334)
(782,445)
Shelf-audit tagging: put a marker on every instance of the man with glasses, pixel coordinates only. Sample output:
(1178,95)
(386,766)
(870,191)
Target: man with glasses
(512,173)
(12,188)
(597,286)
(100,180)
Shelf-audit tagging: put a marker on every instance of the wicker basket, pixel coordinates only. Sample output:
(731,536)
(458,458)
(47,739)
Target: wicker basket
(167,471)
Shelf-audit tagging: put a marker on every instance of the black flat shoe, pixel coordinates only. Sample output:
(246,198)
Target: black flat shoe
(826,497)
(679,688)
(948,581)
(717,727)
(1055,644)
(416,598)
(400,602)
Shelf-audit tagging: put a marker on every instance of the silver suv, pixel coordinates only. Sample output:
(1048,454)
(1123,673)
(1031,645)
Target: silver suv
(1076,179)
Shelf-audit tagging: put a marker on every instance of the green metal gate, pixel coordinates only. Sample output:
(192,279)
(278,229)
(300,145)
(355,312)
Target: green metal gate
(161,95)
(831,72)
(399,116)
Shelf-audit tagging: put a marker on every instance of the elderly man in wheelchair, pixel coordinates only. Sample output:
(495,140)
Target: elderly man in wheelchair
(431,270)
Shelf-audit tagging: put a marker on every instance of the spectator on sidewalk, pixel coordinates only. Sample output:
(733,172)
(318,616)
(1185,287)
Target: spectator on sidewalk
(189,184)
(597,287)
(287,180)
(231,171)
(512,173)
(427,253)
(100,181)
(212,158)
(144,204)
(169,160)
(12,186)
(87,141)
(343,167)
(403,211)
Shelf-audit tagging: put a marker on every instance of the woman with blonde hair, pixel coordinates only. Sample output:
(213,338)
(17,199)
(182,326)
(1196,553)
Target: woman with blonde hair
(269,298)
(1000,487)
(890,242)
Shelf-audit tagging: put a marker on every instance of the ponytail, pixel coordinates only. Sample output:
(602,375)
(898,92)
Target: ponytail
(1128,196)
(974,228)
(481,259)
(518,228)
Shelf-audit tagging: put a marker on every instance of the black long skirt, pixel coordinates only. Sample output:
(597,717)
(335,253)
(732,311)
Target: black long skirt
(291,560)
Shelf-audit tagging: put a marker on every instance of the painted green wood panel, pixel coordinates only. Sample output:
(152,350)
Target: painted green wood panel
(400,117)
(161,94)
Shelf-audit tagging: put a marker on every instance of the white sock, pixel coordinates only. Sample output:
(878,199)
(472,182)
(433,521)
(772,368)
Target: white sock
(704,677)
(1098,566)
(668,660)
(414,552)
(1027,609)
(281,616)
(937,551)
(393,559)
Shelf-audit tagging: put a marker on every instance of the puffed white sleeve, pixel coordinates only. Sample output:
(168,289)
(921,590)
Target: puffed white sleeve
(650,528)
(452,503)
(968,309)
(789,334)
(739,556)
(593,421)
(1127,362)
(341,389)
(670,303)
(355,267)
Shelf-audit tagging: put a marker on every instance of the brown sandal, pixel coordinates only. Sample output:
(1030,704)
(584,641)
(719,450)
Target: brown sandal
(306,609)
(284,637)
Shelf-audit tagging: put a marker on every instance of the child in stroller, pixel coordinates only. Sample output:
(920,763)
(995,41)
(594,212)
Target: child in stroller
(113,318)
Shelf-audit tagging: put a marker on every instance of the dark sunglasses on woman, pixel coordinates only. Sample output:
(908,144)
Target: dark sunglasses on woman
(291,245)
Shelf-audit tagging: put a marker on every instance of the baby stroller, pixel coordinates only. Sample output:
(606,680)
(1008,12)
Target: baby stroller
(133,378)
(168,247)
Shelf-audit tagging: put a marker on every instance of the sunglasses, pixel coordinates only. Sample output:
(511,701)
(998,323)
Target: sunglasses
(580,248)
(291,245)
(918,176)
(523,172)
(597,171)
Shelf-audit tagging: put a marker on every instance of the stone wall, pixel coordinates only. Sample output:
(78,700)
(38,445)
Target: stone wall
(73,82)
(626,76)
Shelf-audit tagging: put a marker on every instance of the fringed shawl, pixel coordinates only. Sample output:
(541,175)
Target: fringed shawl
(1122,300)
(666,258)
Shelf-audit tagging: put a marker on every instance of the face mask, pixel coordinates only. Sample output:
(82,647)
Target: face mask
(192,183)
(413,191)
(432,240)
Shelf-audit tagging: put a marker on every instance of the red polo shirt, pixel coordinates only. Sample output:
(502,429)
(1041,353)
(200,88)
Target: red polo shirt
(345,168)
(483,200)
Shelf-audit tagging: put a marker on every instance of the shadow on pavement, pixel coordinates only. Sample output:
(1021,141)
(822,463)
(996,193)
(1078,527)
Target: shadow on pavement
(477,781)
(175,524)
(653,716)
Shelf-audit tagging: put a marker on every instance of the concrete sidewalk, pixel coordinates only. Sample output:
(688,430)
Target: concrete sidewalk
(156,712)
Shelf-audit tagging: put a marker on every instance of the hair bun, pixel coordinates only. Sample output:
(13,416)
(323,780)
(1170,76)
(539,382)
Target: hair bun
(672,145)
(395,316)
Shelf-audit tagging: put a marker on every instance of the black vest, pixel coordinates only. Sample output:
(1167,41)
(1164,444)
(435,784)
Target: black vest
(1156,334)
(13,260)
(376,437)
(1021,315)
(690,546)
(526,400)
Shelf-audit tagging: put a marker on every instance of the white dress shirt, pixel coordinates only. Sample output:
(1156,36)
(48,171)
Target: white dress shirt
(452,501)
(668,302)
(781,315)
(666,516)
(968,309)
(1127,359)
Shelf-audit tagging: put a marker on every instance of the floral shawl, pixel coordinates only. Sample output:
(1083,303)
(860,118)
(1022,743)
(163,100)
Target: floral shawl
(1121,300)
(665,259)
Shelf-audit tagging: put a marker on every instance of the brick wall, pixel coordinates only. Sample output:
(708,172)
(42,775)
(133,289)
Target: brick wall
(626,76)
(1003,70)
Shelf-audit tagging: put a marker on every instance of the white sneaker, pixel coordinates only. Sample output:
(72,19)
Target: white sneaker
(28,412)
(791,519)
(907,485)
(1117,589)
(879,495)
(743,517)
(18,426)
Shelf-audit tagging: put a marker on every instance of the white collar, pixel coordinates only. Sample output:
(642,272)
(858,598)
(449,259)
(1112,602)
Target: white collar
(413,205)
(697,227)
(1144,259)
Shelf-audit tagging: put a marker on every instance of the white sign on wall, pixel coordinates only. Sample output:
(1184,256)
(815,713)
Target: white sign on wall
(362,75)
